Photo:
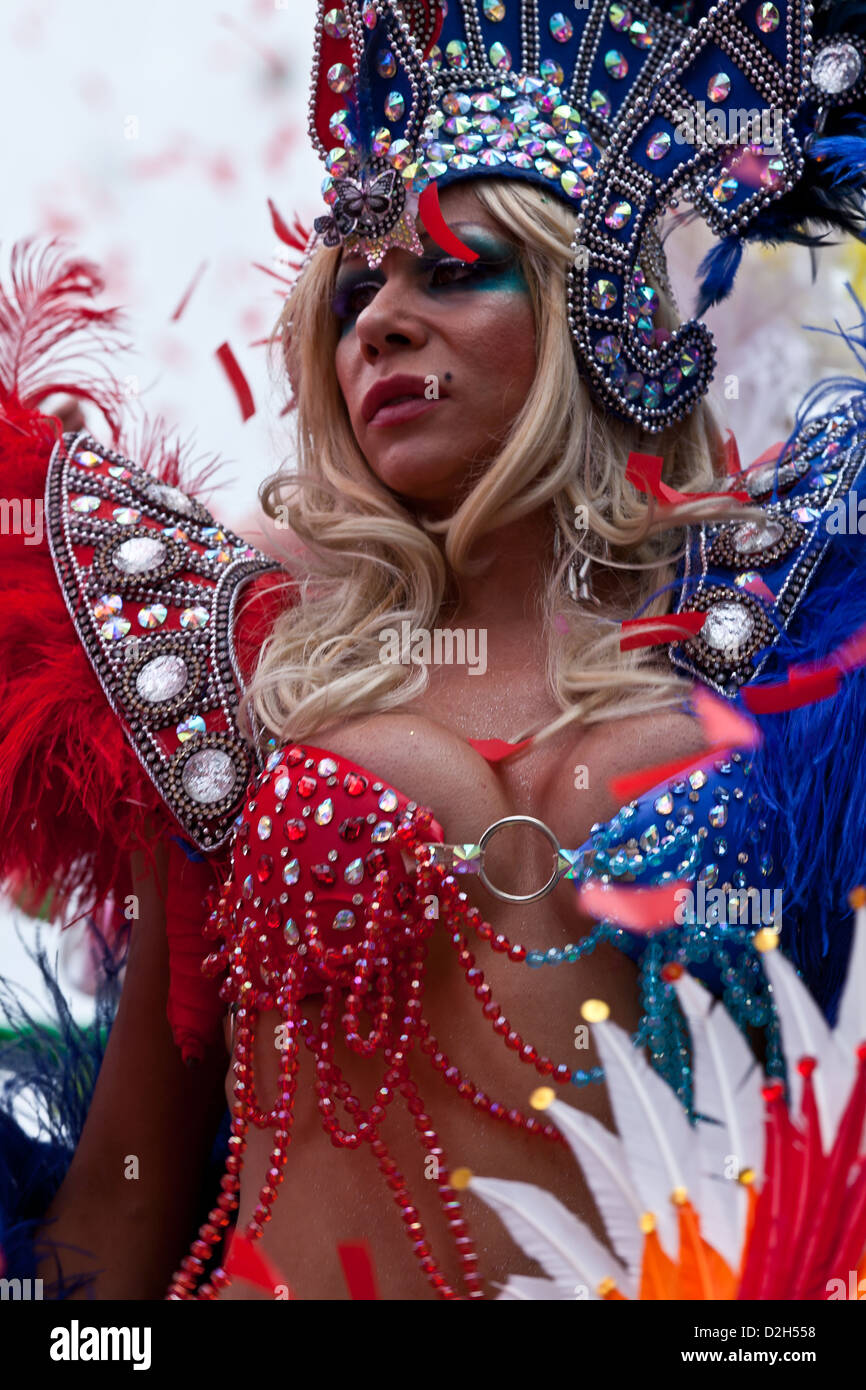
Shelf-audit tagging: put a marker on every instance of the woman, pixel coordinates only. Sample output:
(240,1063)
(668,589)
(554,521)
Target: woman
(449,444)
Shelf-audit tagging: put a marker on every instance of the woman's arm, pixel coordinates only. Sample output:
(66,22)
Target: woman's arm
(129,1198)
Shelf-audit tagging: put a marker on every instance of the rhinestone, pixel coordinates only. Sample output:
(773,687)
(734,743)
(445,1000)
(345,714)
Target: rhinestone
(599,102)
(247,887)
(126,516)
(386,64)
(652,393)
(608,348)
(456,104)
(115,628)
(87,459)
(726,626)
(671,380)
(620,17)
(697,779)
(689,361)
(470,143)
(336,24)
(351,828)
(264,827)
(355,783)
(836,67)
(291,870)
(354,871)
(650,838)
(326,767)
(634,384)
(194,618)
(339,77)
(162,678)
(108,605)
(725,189)
(382,142)
(500,57)
(209,775)
(640,34)
(138,555)
(773,173)
(369,15)
(457,54)
(395,106)
(767,18)
(400,154)
(663,805)
(617,215)
(574,187)
(719,86)
(615,63)
(659,145)
(493,158)
(603,294)
(561,27)
(324,874)
(305,786)
(381,832)
(295,829)
(324,812)
(552,72)
(753,537)
(344,920)
(153,615)
(718,815)
(282,785)
(388,801)
(85,504)
(188,728)
(709,875)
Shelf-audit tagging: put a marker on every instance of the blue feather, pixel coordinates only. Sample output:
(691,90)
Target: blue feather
(718,269)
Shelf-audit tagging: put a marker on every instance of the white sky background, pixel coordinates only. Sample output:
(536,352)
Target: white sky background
(216,95)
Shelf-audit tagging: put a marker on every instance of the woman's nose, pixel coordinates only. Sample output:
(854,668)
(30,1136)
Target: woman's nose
(391,321)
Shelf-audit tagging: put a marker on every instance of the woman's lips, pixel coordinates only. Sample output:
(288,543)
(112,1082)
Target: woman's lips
(398,411)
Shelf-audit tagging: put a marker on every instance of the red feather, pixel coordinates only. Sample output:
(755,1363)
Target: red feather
(295,236)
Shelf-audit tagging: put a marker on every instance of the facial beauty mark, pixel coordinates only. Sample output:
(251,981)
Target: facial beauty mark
(497,268)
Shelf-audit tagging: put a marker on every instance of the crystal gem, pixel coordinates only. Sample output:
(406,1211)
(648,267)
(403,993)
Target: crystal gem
(752,537)
(767,18)
(291,870)
(339,77)
(395,106)
(354,871)
(725,189)
(162,678)
(640,34)
(603,294)
(265,827)
(85,504)
(719,86)
(294,830)
(552,72)
(388,801)
(617,215)
(324,812)
(561,27)
(209,775)
(108,605)
(355,783)
(457,54)
(500,56)
(727,625)
(620,17)
(344,920)
(115,628)
(194,618)
(138,555)
(324,874)
(351,828)
(305,786)
(291,935)
(153,615)
(615,63)
(659,145)
(188,728)
(86,459)
(336,24)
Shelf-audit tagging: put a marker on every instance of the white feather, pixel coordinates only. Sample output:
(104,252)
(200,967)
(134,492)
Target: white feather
(655,1131)
(521,1287)
(603,1160)
(805,1034)
(552,1236)
(727,1089)
(851,1024)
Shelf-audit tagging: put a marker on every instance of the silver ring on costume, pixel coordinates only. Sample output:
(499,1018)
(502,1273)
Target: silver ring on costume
(521,897)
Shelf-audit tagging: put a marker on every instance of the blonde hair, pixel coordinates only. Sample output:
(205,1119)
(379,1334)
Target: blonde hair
(372,563)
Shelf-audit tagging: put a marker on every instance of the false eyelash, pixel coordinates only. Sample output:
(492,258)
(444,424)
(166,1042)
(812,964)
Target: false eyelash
(341,302)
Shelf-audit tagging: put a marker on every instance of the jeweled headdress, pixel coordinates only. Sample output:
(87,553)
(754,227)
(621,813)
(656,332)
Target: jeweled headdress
(618,109)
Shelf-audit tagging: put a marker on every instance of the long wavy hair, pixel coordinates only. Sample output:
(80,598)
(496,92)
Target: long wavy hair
(371,562)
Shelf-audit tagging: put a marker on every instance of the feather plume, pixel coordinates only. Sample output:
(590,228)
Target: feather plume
(718,270)
(652,1124)
(851,1024)
(806,1034)
(564,1247)
(602,1157)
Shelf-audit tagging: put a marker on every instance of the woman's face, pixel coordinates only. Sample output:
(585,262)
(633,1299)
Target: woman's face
(436,356)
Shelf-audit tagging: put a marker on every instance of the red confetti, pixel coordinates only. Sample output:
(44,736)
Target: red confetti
(246,1261)
(358,1270)
(188,294)
(238,380)
(638,909)
(295,236)
(670,627)
(792,693)
(644,471)
(433,219)
(723,727)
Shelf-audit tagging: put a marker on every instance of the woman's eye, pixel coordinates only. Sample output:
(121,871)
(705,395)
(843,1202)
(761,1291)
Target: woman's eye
(450,272)
(350,302)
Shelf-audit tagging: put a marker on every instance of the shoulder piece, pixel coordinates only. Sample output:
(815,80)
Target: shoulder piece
(151,582)
(750,578)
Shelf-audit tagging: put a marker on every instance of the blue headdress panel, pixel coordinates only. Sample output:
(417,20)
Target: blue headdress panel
(617,109)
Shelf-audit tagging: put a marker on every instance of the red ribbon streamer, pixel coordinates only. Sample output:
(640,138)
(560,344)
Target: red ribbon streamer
(358,1271)
(639,909)
(188,295)
(246,1261)
(644,471)
(296,236)
(239,382)
(651,632)
(493,750)
(431,215)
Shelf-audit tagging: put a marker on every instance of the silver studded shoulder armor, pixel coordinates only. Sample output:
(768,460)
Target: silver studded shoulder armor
(750,578)
(151,582)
